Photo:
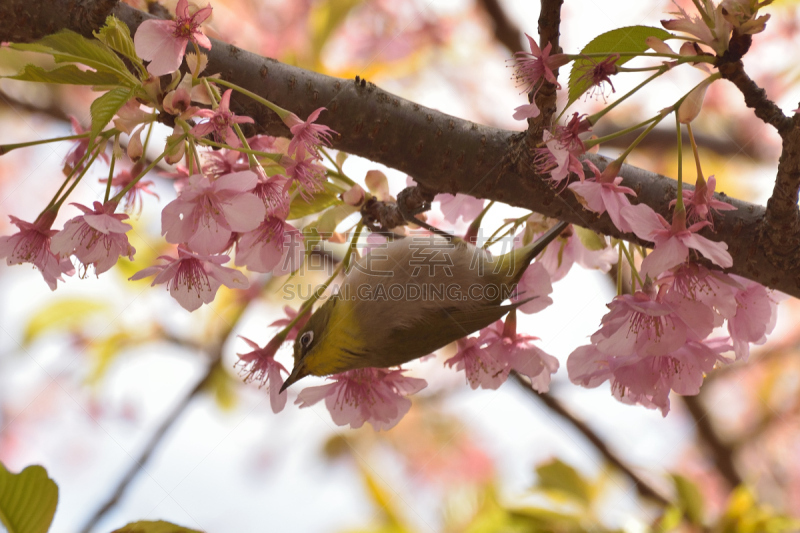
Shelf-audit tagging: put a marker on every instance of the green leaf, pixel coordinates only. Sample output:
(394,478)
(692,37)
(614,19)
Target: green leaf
(324,18)
(64,314)
(158,526)
(116,35)
(690,500)
(560,477)
(591,240)
(105,107)
(28,500)
(71,47)
(627,39)
(301,208)
(68,74)
(330,219)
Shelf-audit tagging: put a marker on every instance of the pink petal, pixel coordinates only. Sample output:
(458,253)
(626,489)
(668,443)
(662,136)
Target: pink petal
(243,181)
(644,222)
(717,252)
(244,212)
(666,255)
(590,192)
(526,111)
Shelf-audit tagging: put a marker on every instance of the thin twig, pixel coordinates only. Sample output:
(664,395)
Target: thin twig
(642,487)
(155,439)
(721,452)
(505,31)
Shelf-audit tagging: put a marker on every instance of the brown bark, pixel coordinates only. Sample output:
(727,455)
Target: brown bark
(448,154)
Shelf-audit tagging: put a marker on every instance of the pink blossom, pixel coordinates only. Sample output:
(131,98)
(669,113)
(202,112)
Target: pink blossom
(98,237)
(535,283)
(260,366)
(78,149)
(647,380)
(700,203)
(603,193)
(754,318)
(275,246)
(130,116)
(307,173)
(207,212)
(714,289)
(600,72)
(133,198)
(291,314)
(220,162)
(526,111)
(563,252)
(193,279)
(652,325)
(163,42)
(716,35)
(354,196)
(273,193)
(532,67)
(483,368)
(459,206)
(31,244)
(220,122)
(672,241)
(519,352)
(307,136)
(560,154)
(374,395)
(178,101)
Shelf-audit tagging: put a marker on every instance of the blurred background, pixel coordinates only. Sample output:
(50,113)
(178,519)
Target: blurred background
(133,404)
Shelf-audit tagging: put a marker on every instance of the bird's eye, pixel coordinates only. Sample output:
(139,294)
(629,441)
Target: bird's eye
(306,338)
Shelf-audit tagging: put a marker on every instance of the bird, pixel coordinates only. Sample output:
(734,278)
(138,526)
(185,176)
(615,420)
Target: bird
(409,299)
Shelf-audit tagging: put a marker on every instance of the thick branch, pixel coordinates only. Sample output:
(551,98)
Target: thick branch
(25,21)
(642,487)
(448,154)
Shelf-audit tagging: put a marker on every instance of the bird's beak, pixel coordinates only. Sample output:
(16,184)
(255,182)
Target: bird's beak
(299,372)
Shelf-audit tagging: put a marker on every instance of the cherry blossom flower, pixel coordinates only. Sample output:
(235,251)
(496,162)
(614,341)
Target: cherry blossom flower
(559,155)
(78,150)
(291,314)
(163,42)
(600,73)
(307,136)
(260,366)
(519,352)
(716,35)
(603,193)
(307,173)
(532,67)
(273,193)
(178,102)
(700,203)
(31,244)
(459,206)
(98,237)
(483,368)
(133,198)
(535,283)
(564,251)
(672,241)
(220,122)
(647,381)
(193,279)
(206,212)
(130,116)
(754,318)
(374,395)
(220,162)
(274,246)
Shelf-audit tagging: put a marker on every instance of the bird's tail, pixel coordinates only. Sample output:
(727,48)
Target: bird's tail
(521,257)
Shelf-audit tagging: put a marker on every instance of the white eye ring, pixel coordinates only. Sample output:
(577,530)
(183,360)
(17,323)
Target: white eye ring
(306,338)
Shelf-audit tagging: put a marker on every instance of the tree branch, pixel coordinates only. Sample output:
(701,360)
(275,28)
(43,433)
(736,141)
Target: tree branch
(505,31)
(448,154)
(720,451)
(642,487)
